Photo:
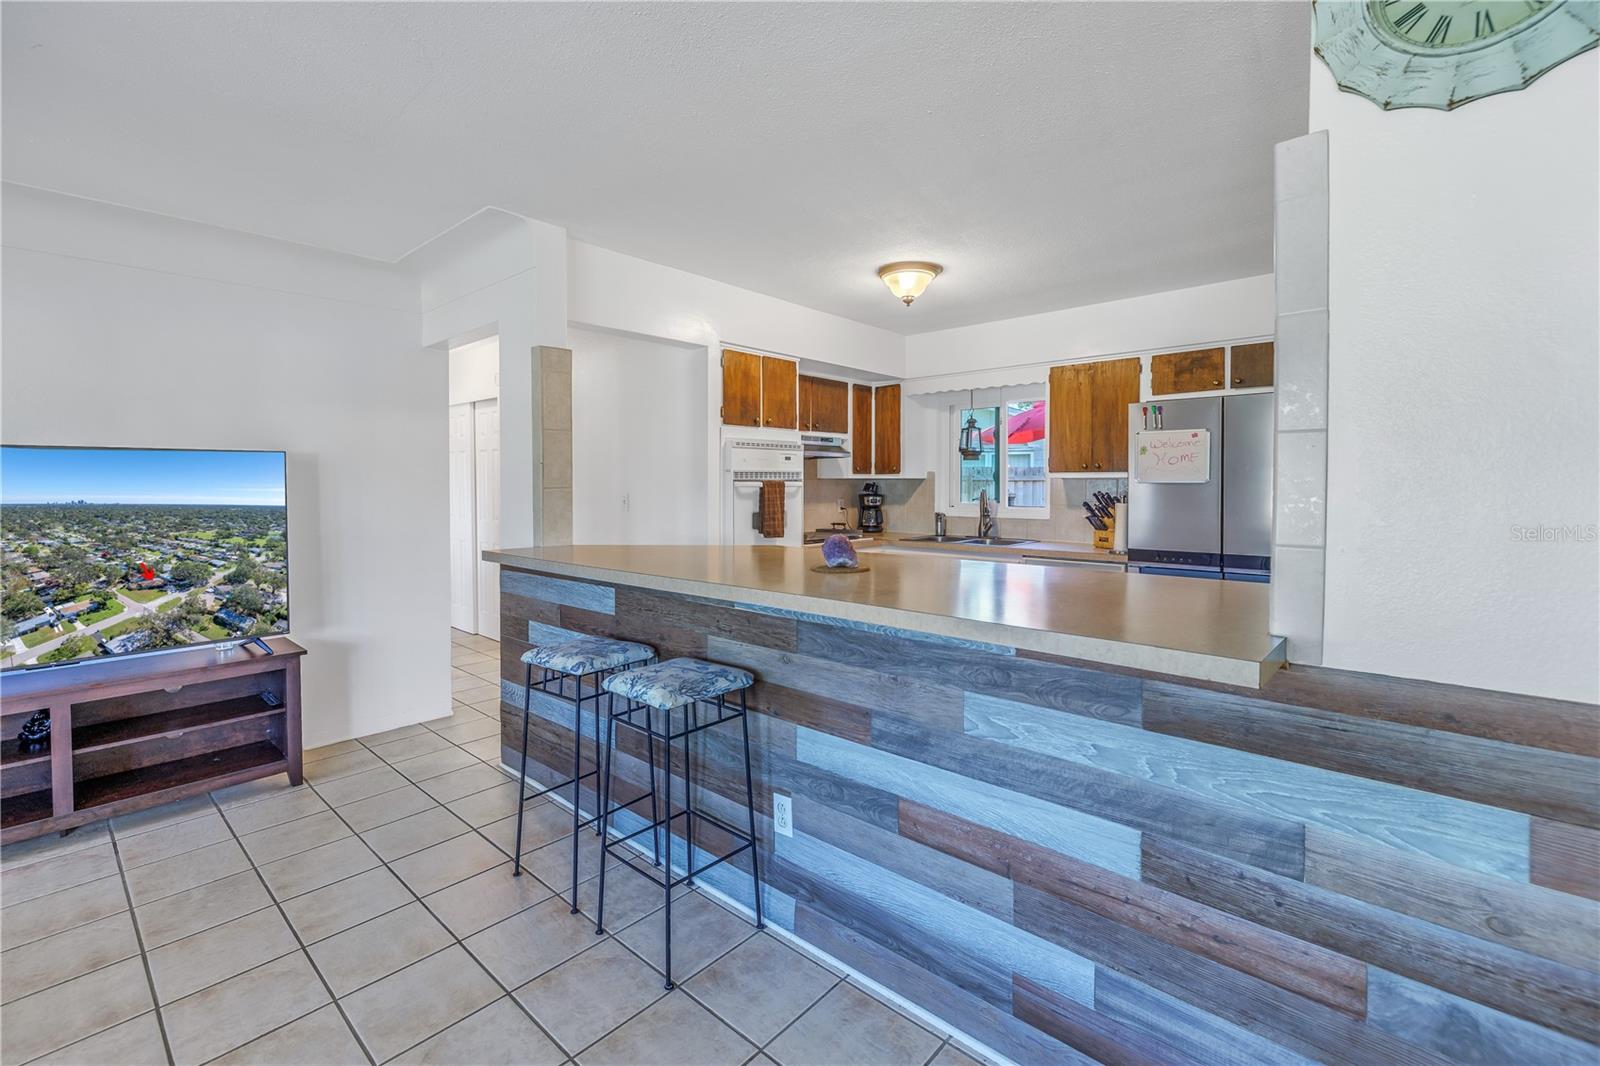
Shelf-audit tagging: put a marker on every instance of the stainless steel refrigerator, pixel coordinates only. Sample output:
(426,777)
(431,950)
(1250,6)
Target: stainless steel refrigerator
(1219,528)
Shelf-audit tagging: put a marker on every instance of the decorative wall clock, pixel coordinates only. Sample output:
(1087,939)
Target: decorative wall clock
(1444,53)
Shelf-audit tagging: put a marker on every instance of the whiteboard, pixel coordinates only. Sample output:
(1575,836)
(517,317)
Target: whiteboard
(1172,456)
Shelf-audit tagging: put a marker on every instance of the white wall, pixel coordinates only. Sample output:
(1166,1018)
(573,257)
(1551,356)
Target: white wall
(1172,321)
(638,431)
(1464,368)
(123,328)
(475,371)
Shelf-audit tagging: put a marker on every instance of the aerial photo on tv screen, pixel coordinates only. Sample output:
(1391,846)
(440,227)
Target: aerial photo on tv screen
(108,551)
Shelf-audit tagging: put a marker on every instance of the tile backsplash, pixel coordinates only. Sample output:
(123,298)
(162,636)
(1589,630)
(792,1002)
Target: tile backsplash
(909,504)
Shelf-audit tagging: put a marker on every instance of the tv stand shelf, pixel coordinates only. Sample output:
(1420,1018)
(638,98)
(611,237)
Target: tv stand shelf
(127,734)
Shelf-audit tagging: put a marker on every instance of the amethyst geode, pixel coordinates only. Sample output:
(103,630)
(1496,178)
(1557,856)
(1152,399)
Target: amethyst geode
(838,552)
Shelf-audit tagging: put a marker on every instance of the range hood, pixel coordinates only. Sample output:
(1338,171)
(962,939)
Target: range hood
(824,446)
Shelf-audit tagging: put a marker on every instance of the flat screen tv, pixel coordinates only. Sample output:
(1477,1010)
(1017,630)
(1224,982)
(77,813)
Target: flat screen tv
(121,551)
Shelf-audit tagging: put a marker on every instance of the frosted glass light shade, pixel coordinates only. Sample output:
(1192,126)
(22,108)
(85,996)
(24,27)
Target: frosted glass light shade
(909,280)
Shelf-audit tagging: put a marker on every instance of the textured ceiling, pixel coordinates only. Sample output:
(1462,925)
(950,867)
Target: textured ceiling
(1049,155)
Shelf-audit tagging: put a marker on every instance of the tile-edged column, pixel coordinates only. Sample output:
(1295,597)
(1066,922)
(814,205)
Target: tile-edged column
(555,397)
(1300,453)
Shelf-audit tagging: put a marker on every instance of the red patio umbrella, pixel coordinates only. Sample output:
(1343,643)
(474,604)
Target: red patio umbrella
(1024,427)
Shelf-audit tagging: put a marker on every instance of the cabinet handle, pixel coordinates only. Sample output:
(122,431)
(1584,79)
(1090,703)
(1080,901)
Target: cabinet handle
(1097,466)
(1086,466)
(1214,384)
(1238,381)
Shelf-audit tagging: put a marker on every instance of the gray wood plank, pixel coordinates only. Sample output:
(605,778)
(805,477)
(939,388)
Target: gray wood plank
(1548,993)
(1083,692)
(1550,784)
(1455,831)
(1465,1031)
(1217,1041)
(560,590)
(1514,913)
(1103,1038)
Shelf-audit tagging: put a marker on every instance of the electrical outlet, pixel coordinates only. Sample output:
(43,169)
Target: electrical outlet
(842,506)
(782,814)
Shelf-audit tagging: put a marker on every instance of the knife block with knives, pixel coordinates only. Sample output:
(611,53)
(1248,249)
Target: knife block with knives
(1101,514)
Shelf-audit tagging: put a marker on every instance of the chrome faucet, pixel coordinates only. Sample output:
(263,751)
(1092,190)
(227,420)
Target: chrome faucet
(986,525)
(938,523)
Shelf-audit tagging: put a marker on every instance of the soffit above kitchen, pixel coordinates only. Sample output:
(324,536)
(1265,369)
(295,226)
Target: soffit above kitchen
(1049,155)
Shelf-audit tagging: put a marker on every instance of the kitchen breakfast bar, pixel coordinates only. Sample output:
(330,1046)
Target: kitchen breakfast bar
(1072,813)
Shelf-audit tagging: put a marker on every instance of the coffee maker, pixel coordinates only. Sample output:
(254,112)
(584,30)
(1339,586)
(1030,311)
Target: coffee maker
(871,508)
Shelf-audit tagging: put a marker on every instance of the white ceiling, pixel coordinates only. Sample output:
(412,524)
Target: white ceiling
(1050,155)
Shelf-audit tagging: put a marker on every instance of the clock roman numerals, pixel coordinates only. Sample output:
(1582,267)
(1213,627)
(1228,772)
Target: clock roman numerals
(1441,28)
(1411,17)
(1482,24)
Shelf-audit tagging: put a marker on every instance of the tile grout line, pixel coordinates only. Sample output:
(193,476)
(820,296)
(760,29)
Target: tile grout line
(138,935)
(297,939)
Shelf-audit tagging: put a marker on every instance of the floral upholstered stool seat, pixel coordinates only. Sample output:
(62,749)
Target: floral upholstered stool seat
(671,702)
(580,663)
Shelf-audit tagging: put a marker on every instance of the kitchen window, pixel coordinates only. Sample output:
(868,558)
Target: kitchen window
(1011,464)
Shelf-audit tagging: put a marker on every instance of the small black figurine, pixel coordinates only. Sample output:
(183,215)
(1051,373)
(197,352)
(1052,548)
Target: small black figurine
(35,733)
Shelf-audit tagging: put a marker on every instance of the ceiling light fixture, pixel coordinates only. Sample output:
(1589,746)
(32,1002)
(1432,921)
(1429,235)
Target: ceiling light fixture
(909,280)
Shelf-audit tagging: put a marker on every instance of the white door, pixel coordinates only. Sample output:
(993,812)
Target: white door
(486,427)
(463,520)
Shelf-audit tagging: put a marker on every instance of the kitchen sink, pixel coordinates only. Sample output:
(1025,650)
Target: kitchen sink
(933,539)
(996,541)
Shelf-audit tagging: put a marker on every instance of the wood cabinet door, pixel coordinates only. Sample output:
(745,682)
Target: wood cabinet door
(741,388)
(861,429)
(886,429)
(808,400)
(1194,371)
(1252,365)
(780,402)
(830,405)
(1116,385)
(1071,414)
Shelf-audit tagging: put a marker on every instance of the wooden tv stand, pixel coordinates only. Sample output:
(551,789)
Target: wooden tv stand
(126,734)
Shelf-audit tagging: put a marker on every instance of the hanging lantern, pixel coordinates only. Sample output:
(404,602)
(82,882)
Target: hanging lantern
(970,443)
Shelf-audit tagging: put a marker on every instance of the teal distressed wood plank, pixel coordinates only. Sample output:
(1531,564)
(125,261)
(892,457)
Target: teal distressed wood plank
(985,944)
(543,634)
(591,597)
(1083,836)
(1464,834)
(1275,844)
(1465,1031)
(1550,784)
(1087,692)
(1217,1041)
(1539,990)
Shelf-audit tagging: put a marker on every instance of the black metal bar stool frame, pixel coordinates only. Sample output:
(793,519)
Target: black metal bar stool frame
(617,847)
(577,700)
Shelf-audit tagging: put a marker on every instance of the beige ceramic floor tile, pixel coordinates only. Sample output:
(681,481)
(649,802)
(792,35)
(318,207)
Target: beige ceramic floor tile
(253,817)
(135,1042)
(373,782)
(43,963)
(252,791)
(129,825)
(490,805)
(413,833)
(291,838)
(220,1018)
(950,1055)
(51,845)
(181,872)
(385,807)
(464,782)
(850,1026)
(341,766)
(444,864)
(760,987)
(69,1012)
(24,923)
(334,908)
(408,1007)
(673,1031)
(541,824)
(328,751)
(487,749)
(176,916)
(564,1001)
(19,884)
(200,961)
(435,764)
(475,729)
(312,869)
(479,902)
(320,1037)
(527,944)
(377,948)
(701,932)
(498,1035)
(179,838)
(423,742)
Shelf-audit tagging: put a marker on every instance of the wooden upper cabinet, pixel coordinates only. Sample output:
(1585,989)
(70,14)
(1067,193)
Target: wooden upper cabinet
(886,429)
(1070,413)
(1116,385)
(861,429)
(780,405)
(1252,365)
(741,388)
(1195,371)
(824,405)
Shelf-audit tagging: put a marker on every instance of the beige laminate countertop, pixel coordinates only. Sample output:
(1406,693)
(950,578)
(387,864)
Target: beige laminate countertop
(1207,630)
(1033,549)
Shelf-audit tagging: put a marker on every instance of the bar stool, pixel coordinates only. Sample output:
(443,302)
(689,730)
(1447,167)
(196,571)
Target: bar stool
(681,685)
(580,658)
